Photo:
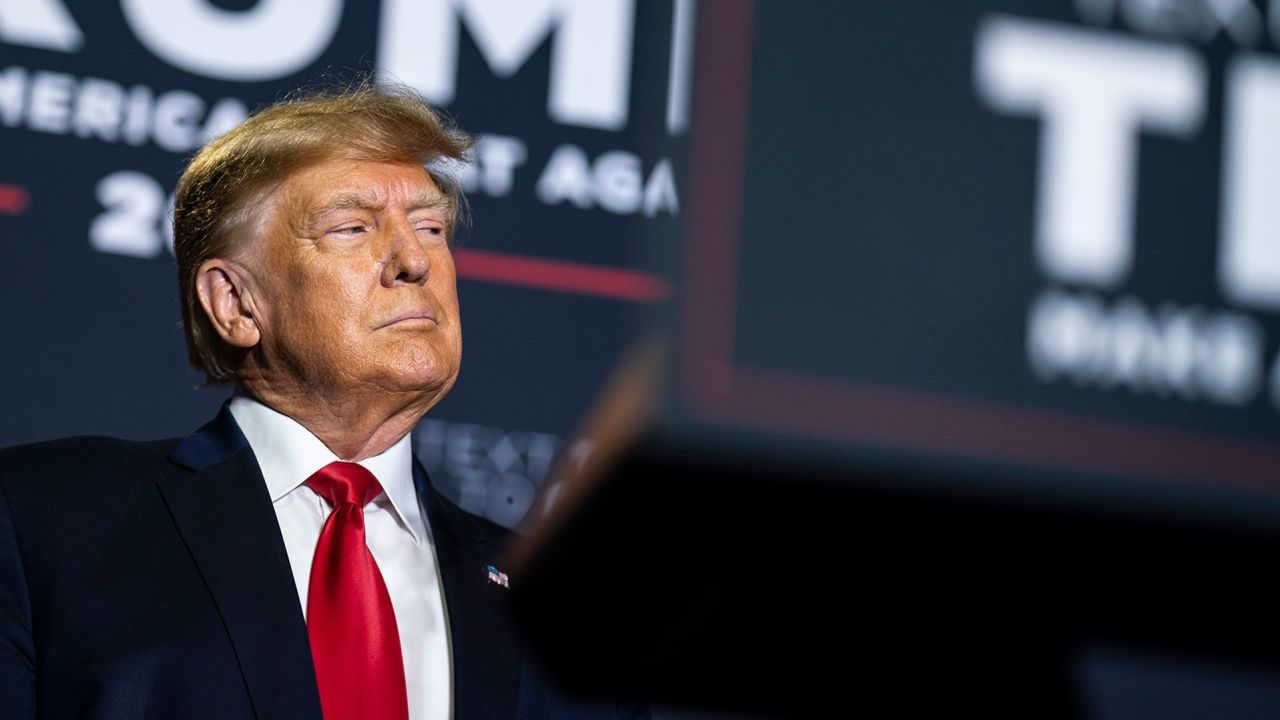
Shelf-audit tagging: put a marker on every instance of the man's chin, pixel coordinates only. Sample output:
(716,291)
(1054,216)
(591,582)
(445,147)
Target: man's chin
(432,386)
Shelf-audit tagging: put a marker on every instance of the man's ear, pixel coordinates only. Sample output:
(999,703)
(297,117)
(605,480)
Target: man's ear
(225,295)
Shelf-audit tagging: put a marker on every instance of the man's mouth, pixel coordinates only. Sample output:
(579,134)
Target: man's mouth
(412,317)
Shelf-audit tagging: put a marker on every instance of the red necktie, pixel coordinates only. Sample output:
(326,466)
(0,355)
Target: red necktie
(354,640)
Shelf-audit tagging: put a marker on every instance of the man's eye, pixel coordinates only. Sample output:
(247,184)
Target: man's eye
(431,229)
(348,230)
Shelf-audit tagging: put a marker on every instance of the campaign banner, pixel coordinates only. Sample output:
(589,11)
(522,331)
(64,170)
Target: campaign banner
(1024,241)
(581,109)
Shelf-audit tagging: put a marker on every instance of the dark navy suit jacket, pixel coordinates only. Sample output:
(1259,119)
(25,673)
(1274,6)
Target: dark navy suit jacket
(150,580)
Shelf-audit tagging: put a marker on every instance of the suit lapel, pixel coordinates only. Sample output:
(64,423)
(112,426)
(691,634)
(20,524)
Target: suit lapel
(225,516)
(486,659)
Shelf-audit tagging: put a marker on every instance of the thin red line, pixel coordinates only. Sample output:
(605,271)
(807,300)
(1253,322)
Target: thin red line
(718,138)
(913,420)
(13,199)
(560,276)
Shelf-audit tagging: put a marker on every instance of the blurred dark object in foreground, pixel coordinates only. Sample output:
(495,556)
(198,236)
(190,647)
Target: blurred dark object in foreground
(735,583)
(902,454)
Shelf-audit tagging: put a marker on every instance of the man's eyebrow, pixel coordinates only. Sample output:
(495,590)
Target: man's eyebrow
(431,199)
(344,201)
(427,199)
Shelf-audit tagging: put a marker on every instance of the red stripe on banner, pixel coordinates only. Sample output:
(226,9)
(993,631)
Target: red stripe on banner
(560,276)
(13,199)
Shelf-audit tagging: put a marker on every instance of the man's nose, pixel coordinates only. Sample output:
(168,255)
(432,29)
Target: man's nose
(408,259)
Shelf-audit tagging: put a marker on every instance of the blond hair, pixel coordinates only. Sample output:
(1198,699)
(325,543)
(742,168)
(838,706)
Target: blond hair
(224,182)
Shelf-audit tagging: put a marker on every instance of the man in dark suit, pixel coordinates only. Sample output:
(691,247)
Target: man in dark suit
(289,558)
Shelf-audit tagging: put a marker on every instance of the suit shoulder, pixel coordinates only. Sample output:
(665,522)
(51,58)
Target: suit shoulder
(475,527)
(489,528)
(85,449)
(81,457)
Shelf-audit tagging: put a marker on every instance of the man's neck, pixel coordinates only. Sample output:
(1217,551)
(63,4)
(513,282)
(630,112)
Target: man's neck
(352,428)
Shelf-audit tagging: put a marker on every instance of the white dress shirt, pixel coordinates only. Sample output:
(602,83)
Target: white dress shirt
(396,532)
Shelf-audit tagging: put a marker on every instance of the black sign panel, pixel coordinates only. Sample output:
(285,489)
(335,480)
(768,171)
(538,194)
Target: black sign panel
(1031,235)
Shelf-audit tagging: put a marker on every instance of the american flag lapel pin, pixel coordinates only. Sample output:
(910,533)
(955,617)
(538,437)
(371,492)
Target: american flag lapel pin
(497,577)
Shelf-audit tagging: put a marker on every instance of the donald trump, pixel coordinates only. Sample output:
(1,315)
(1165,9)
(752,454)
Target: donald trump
(290,558)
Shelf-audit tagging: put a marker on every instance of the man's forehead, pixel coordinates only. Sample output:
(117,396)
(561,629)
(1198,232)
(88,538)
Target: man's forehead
(341,184)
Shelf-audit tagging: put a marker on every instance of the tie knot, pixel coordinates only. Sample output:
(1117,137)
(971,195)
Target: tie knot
(345,482)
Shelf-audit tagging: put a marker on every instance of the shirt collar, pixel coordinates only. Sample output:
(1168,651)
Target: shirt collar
(288,454)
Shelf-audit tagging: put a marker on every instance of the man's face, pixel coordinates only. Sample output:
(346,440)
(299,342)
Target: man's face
(356,282)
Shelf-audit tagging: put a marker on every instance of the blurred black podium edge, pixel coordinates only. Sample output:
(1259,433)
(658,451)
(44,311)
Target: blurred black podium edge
(788,589)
